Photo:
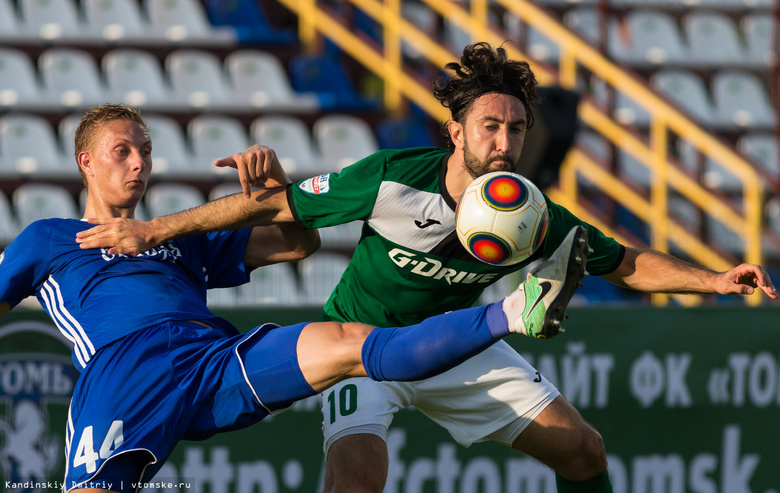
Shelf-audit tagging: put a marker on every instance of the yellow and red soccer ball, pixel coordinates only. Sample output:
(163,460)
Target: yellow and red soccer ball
(501,218)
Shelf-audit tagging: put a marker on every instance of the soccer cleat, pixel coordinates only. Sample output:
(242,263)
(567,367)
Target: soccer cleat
(538,306)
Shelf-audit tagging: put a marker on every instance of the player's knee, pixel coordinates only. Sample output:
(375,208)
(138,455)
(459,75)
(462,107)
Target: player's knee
(356,330)
(350,339)
(589,452)
(354,334)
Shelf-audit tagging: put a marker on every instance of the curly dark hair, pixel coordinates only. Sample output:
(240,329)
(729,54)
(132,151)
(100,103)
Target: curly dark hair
(482,70)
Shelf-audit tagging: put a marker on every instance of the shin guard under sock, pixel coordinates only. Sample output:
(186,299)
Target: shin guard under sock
(432,346)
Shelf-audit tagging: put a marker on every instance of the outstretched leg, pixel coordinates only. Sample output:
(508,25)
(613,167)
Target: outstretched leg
(560,438)
(329,352)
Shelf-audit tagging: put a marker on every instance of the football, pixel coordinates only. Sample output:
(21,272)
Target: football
(501,218)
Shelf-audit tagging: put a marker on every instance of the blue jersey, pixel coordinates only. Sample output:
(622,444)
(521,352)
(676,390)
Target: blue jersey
(95,298)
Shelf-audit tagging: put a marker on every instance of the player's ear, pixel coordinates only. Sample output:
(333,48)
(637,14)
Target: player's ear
(85,162)
(456,133)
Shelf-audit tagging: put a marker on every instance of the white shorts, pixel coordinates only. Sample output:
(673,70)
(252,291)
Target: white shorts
(491,396)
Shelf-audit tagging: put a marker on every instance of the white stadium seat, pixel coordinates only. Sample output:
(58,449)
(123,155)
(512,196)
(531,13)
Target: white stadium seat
(34,201)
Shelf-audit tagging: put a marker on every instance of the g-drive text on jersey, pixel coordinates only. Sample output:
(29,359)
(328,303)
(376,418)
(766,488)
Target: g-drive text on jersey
(428,267)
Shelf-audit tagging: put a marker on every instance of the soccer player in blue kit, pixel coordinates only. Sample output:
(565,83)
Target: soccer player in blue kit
(158,367)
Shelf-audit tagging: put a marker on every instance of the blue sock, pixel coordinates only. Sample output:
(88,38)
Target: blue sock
(434,345)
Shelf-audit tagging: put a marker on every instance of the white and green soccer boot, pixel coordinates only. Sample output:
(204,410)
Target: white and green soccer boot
(538,306)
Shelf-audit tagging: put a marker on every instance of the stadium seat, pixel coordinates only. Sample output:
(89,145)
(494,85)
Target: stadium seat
(741,100)
(171,156)
(687,90)
(403,133)
(19,86)
(343,140)
(724,237)
(118,21)
(735,5)
(167,198)
(197,79)
(757,31)
(71,77)
(713,39)
(454,36)
(29,146)
(66,133)
(541,47)
(583,21)
(324,75)
(291,139)
(593,143)
(651,37)
(684,212)
(424,19)
(9,228)
(250,22)
(319,275)
(629,112)
(135,77)
(270,285)
(634,170)
(565,3)
(11,30)
(259,80)
(53,20)
(714,175)
(185,22)
(34,201)
(214,137)
(761,148)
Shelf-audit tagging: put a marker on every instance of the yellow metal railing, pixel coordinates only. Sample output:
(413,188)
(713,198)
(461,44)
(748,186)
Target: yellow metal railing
(575,57)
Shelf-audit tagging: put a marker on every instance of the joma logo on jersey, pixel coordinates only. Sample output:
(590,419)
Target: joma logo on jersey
(428,267)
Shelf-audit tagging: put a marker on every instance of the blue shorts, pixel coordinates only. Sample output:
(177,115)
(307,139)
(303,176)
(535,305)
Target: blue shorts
(142,394)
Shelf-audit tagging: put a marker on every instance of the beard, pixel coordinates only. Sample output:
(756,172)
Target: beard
(476,167)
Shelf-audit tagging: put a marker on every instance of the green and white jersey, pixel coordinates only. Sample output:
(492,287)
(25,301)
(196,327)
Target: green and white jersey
(409,264)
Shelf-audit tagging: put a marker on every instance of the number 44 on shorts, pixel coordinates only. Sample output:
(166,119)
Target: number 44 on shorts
(85,452)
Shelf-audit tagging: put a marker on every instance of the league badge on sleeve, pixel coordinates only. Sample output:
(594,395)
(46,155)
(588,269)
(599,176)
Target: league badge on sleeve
(316,185)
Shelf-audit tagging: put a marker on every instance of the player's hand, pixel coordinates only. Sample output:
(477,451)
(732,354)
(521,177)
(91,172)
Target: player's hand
(743,279)
(120,236)
(254,166)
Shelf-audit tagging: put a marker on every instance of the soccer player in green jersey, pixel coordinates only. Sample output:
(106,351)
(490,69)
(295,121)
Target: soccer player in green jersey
(409,265)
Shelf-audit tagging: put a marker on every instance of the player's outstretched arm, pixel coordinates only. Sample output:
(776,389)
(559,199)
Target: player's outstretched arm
(656,272)
(131,237)
(263,207)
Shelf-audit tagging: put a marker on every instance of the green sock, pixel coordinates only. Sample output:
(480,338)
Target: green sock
(599,483)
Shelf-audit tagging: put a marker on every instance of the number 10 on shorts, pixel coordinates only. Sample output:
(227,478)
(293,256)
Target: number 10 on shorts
(347,401)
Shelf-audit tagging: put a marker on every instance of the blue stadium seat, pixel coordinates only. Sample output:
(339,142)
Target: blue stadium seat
(325,76)
(403,133)
(250,22)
